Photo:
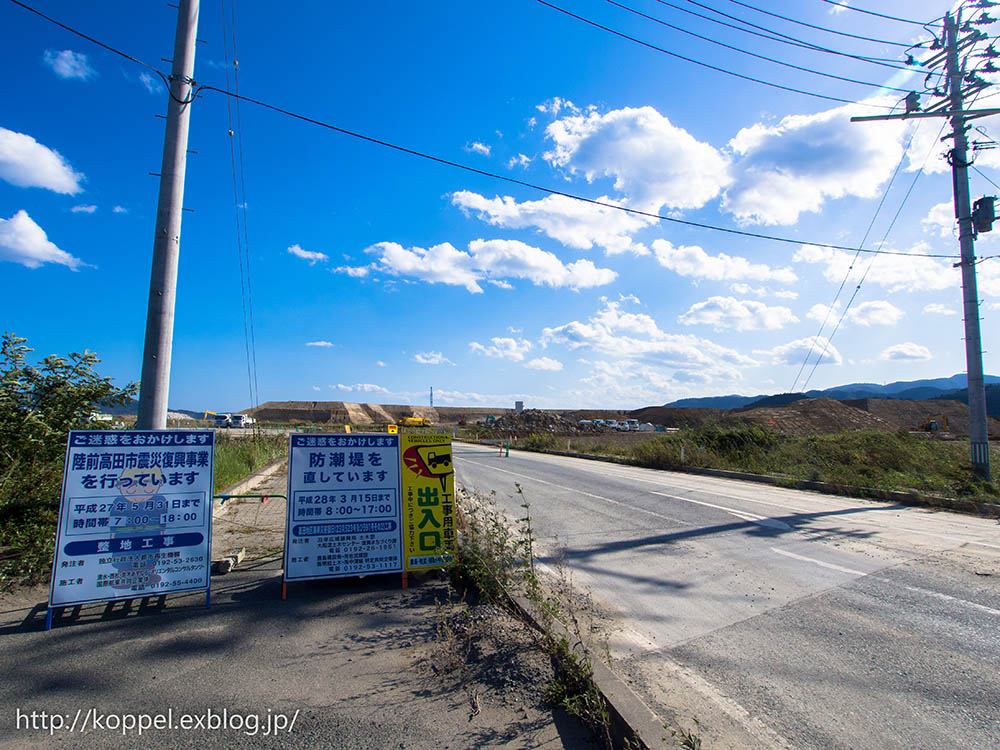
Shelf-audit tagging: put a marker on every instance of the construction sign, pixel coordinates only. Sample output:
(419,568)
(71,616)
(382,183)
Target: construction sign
(428,484)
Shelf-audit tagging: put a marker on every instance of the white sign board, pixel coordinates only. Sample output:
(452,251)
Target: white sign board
(135,516)
(343,506)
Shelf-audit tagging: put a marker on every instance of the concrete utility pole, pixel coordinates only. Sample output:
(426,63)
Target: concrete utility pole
(978,427)
(954,108)
(155,385)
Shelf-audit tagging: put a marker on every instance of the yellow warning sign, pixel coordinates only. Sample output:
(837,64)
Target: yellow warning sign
(428,482)
(393,429)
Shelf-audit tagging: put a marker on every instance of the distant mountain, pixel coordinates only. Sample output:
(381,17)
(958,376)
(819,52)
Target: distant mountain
(917,390)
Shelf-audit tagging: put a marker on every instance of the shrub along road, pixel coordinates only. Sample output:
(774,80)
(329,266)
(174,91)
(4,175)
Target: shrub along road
(779,618)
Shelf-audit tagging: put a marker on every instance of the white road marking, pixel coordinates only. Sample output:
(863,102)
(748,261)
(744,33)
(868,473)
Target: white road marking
(943,597)
(752,517)
(579,492)
(814,561)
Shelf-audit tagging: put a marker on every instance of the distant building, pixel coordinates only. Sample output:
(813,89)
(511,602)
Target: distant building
(518,407)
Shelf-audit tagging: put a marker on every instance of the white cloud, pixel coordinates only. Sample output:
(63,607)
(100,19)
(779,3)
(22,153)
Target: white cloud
(876,312)
(693,261)
(574,223)
(636,336)
(380,363)
(795,166)
(487,260)
(940,220)
(68,64)
(325,344)
(25,162)
(546,364)
(316,388)
(653,162)
(937,309)
(83,209)
(151,84)
(478,148)
(119,210)
(355,272)
(835,10)
(908,272)
(23,241)
(360,388)
(906,352)
(739,315)
(521,160)
(555,105)
(786,294)
(309,255)
(795,352)
(744,289)
(431,358)
(503,348)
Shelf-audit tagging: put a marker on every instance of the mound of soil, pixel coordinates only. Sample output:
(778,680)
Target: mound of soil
(813,416)
(536,421)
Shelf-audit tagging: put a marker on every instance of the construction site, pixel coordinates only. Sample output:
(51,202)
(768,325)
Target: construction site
(815,416)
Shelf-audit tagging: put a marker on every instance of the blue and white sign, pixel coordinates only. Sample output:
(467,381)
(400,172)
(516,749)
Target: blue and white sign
(135,516)
(343,506)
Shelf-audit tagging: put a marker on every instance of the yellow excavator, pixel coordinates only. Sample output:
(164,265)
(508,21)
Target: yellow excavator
(415,422)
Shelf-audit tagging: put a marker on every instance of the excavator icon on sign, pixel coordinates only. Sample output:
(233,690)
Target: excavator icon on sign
(429,461)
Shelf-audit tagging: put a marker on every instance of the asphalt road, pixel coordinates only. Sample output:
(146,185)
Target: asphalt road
(778,618)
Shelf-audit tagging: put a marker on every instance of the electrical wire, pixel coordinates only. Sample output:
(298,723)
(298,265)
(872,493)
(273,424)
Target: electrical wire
(878,210)
(754,54)
(703,64)
(803,23)
(984,176)
(775,36)
(880,15)
(241,247)
(553,191)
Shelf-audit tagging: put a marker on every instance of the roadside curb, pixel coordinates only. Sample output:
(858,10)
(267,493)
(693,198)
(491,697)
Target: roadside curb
(633,723)
(246,484)
(990,510)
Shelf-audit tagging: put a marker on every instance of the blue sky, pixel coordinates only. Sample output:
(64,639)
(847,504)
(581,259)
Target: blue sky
(376,274)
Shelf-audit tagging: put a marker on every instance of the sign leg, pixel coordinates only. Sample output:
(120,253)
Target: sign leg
(48,618)
(406,583)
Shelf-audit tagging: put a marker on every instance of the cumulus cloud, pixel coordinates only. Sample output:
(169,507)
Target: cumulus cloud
(795,166)
(653,162)
(68,64)
(478,148)
(83,209)
(325,344)
(521,160)
(938,309)
(744,289)
(574,223)
(503,348)
(308,255)
(636,336)
(876,312)
(431,358)
(786,294)
(908,352)
(724,313)
(693,261)
(907,273)
(795,352)
(119,210)
(355,272)
(940,220)
(544,363)
(487,260)
(23,241)
(25,162)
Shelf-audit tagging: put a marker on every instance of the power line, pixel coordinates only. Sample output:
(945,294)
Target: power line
(700,63)
(880,15)
(829,310)
(985,177)
(775,36)
(754,54)
(808,25)
(553,191)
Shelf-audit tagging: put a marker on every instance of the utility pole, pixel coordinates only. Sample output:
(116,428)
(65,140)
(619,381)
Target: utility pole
(978,428)
(953,107)
(155,384)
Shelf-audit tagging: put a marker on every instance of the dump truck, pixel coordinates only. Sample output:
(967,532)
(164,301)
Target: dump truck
(415,422)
